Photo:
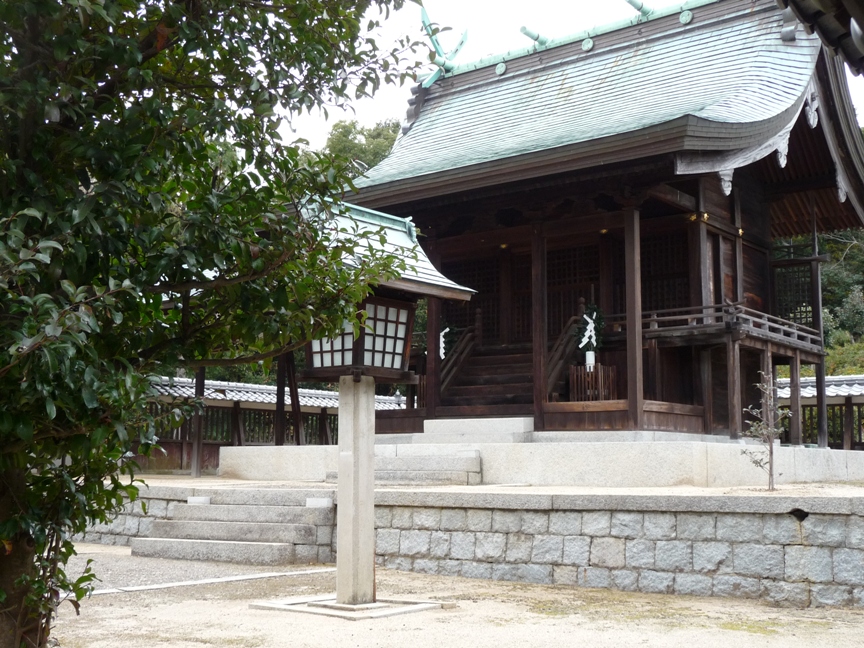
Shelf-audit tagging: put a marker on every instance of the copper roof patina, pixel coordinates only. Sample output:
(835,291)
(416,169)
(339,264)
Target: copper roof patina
(400,240)
(717,83)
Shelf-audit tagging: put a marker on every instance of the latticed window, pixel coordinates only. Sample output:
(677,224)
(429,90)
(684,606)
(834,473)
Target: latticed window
(570,274)
(665,272)
(792,293)
(482,275)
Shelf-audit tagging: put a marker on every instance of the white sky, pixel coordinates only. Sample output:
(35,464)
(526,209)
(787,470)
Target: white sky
(493,28)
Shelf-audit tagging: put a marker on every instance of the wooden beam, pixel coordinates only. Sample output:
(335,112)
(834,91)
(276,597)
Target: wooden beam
(433,355)
(707,390)
(848,423)
(296,414)
(795,427)
(583,224)
(633,290)
(279,414)
(671,196)
(198,426)
(538,324)
(780,190)
(733,386)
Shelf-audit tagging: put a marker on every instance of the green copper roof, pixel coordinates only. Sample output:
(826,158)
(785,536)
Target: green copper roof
(722,75)
(420,276)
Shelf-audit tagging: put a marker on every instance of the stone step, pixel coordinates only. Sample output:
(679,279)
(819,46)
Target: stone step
(424,477)
(248,553)
(262,496)
(235,531)
(252,514)
(468,463)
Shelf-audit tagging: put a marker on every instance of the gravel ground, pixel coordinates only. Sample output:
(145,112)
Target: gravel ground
(486,614)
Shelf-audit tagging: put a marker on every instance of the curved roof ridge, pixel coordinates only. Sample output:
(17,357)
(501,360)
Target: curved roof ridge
(712,88)
(592,32)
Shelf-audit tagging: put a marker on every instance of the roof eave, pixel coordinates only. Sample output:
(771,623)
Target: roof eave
(686,133)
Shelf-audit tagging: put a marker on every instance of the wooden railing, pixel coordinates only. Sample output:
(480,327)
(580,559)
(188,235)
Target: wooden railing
(597,385)
(777,326)
(470,338)
(563,349)
(695,319)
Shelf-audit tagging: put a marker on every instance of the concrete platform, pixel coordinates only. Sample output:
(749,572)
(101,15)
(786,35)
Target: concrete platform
(628,459)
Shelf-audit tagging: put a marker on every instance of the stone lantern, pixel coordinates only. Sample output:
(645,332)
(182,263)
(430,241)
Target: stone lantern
(380,352)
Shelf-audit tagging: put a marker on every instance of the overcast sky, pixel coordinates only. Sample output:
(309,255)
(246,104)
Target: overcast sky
(493,28)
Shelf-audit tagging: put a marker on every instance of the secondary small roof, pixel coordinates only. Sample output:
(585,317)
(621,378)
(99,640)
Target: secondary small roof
(420,276)
(216,392)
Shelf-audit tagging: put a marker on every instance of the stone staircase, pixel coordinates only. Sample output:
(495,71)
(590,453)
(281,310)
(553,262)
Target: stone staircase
(249,526)
(498,376)
(424,467)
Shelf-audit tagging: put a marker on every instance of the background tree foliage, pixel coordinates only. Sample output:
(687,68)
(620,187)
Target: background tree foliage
(367,145)
(149,219)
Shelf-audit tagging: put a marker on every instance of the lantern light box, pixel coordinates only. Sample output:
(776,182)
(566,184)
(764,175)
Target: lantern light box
(381,350)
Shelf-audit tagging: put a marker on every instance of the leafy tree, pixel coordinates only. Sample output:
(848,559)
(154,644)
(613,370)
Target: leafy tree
(148,221)
(367,145)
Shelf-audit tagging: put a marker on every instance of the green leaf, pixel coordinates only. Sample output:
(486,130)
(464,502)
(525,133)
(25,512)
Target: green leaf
(50,408)
(89,396)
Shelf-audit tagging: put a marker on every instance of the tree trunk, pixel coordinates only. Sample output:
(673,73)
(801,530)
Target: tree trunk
(18,625)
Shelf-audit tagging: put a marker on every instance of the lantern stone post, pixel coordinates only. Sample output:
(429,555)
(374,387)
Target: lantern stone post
(355,513)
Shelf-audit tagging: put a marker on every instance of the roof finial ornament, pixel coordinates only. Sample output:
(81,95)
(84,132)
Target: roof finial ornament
(790,26)
(639,6)
(530,33)
(442,60)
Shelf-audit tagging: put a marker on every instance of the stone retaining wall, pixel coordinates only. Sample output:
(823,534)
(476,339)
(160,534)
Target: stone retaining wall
(750,554)
(739,546)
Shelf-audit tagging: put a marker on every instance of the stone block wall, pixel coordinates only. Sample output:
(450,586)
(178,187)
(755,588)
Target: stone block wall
(818,561)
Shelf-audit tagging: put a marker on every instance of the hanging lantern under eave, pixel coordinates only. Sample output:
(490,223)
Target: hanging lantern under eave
(381,350)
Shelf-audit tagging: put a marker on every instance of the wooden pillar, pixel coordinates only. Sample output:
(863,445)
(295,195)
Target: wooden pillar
(821,406)
(816,308)
(795,427)
(848,423)
(733,385)
(198,427)
(707,385)
(604,296)
(296,412)
(633,273)
(279,415)
(433,355)
(237,432)
(538,324)
(324,424)
(739,249)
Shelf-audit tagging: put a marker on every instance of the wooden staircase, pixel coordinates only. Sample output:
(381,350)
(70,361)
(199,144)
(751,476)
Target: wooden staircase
(495,378)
